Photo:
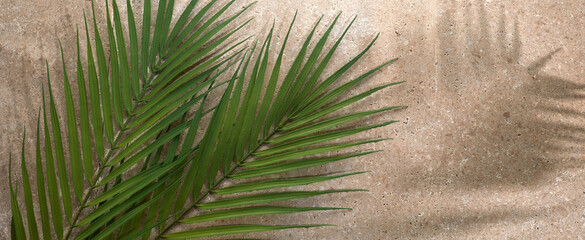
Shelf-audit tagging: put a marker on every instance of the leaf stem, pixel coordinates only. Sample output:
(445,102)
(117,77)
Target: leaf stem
(102,167)
(90,190)
(181,213)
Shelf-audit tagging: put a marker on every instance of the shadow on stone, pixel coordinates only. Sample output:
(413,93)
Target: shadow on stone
(508,123)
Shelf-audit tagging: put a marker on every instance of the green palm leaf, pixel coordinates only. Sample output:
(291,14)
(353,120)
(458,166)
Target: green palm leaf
(294,137)
(137,164)
(30,215)
(231,229)
(17,225)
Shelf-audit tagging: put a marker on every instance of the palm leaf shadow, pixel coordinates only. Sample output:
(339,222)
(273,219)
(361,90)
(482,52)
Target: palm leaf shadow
(513,124)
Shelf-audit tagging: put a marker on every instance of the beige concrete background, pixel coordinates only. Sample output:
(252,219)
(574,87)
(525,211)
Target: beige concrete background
(490,146)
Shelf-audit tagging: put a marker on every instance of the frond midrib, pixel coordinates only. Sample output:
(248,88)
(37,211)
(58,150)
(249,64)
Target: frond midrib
(217,183)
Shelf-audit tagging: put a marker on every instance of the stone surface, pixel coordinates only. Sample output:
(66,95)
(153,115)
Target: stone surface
(489,147)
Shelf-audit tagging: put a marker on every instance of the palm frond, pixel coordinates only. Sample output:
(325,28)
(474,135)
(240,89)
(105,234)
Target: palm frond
(274,136)
(137,166)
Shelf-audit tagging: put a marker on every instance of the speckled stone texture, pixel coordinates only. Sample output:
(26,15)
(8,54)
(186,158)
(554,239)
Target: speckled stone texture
(491,146)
